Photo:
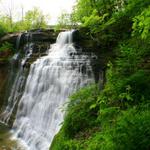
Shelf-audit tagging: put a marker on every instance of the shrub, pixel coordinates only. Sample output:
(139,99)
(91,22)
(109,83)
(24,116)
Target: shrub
(82,111)
(130,132)
(6,47)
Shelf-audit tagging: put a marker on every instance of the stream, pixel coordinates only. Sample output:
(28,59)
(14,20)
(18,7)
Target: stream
(6,140)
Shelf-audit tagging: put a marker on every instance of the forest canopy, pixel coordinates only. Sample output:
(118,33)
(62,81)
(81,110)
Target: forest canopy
(33,19)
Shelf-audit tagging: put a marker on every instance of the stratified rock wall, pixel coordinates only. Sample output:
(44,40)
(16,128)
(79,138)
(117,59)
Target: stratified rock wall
(4,75)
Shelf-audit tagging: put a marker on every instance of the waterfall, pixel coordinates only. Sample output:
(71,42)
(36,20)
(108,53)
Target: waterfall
(18,41)
(13,98)
(51,80)
(18,77)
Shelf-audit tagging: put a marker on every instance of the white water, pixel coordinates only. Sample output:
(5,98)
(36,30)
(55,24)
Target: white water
(14,97)
(51,80)
(15,92)
(17,88)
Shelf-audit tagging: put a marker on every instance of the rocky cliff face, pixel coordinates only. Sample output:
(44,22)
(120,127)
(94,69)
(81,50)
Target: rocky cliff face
(41,40)
(34,44)
(7,75)
(4,76)
(37,41)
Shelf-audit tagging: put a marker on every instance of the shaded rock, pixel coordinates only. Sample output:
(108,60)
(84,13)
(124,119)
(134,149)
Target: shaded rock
(4,75)
(11,38)
(6,53)
(37,35)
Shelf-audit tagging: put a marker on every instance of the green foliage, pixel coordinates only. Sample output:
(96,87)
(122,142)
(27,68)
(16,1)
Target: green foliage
(139,83)
(6,47)
(141,25)
(117,117)
(108,21)
(120,129)
(107,116)
(130,131)
(127,81)
(137,130)
(82,9)
(82,104)
(64,143)
(66,21)
(128,60)
(93,21)
(6,51)
(2,30)
(5,23)
(33,19)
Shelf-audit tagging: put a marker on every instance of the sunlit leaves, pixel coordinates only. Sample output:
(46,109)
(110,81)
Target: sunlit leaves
(94,20)
(141,24)
(35,19)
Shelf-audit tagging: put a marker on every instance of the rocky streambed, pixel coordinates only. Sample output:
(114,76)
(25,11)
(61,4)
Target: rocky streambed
(6,141)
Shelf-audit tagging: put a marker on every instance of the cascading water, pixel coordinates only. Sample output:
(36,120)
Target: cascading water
(50,81)
(15,83)
(18,85)
(14,97)
(18,41)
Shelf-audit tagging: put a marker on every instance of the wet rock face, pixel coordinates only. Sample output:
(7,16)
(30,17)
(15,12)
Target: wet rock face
(82,39)
(38,41)
(5,54)
(31,36)
(11,38)
(38,36)
(48,35)
(4,75)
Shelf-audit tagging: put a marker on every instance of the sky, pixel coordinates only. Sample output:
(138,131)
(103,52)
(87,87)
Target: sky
(51,7)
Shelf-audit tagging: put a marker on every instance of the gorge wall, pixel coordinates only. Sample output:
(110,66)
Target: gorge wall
(39,41)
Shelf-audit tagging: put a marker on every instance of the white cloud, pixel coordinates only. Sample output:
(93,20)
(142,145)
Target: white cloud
(51,7)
